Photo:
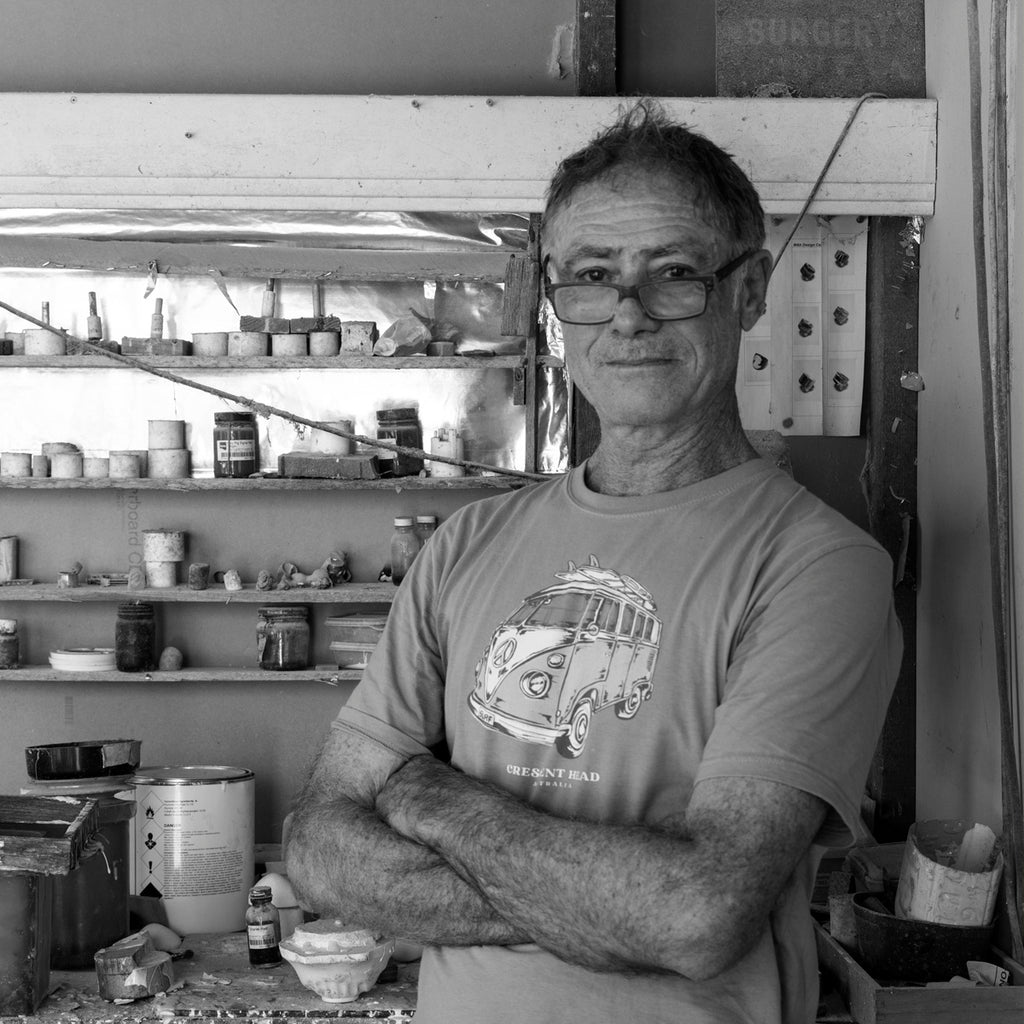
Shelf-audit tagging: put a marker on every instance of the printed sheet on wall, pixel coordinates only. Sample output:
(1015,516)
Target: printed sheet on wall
(801,368)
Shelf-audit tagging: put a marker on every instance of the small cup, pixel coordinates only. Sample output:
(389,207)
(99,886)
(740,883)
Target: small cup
(40,465)
(198,576)
(324,343)
(210,343)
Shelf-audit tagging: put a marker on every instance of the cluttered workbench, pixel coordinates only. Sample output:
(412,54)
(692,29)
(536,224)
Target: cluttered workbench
(216,981)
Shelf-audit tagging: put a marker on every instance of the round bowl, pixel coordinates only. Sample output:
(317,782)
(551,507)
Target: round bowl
(895,948)
(339,977)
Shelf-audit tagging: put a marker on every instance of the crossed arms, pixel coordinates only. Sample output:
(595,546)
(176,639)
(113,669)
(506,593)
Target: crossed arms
(415,848)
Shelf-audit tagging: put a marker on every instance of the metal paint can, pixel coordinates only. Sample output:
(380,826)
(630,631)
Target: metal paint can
(194,845)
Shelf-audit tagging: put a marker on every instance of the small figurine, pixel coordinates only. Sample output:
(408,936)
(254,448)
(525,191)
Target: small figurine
(264,581)
(337,568)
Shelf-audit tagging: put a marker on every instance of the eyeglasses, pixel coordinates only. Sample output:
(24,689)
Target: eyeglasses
(679,298)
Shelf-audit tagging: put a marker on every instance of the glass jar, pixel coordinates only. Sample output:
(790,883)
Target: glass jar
(236,450)
(425,527)
(263,928)
(405,546)
(400,426)
(282,638)
(8,643)
(135,637)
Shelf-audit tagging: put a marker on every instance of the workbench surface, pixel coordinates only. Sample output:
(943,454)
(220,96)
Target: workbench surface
(217,982)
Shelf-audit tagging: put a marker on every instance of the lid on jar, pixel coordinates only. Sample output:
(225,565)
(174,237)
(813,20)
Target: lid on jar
(228,417)
(260,894)
(427,520)
(137,608)
(403,520)
(284,611)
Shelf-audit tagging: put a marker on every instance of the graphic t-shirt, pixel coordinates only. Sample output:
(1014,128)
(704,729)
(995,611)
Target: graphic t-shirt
(596,656)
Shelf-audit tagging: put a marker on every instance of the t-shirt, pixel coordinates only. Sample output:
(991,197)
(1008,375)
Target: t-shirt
(597,656)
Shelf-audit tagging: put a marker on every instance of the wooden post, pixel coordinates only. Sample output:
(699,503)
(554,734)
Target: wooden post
(595,76)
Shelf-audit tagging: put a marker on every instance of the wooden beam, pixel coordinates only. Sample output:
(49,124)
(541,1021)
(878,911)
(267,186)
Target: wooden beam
(890,487)
(130,151)
(595,48)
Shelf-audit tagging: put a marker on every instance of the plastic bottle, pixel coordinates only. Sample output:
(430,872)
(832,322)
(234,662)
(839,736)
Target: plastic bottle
(263,928)
(405,546)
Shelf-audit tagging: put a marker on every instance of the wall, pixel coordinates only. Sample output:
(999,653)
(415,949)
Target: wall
(957,739)
(287,46)
(263,46)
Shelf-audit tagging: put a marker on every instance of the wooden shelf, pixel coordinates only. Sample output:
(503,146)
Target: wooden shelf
(270,260)
(275,363)
(347,593)
(45,674)
(398,483)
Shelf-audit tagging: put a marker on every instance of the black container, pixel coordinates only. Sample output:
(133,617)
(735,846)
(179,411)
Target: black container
(82,759)
(402,426)
(135,637)
(236,448)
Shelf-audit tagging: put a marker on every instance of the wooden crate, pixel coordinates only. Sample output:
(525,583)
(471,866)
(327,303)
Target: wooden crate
(872,1003)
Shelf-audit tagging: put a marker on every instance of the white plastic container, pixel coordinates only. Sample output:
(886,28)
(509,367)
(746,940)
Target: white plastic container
(193,844)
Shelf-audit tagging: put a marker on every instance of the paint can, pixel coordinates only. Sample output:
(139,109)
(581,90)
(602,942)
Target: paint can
(210,343)
(194,845)
(169,463)
(166,434)
(162,574)
(324,343)
(15,464)
(95,466)
(289,344)
(41,342)
(333,444)
(162,545)
(66,465)
(247,343)
(123,466)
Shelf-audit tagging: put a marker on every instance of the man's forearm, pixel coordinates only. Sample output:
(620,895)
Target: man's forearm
(345,862)
(553,878)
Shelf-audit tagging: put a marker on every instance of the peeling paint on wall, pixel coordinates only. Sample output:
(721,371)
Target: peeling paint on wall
(562,44)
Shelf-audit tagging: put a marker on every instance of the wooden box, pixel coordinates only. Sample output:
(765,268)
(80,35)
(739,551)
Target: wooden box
(872,1003)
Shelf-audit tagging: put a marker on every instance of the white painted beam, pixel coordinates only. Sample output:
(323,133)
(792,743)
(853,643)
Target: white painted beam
(224,152)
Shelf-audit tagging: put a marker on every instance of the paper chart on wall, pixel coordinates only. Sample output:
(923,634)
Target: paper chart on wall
(801,367)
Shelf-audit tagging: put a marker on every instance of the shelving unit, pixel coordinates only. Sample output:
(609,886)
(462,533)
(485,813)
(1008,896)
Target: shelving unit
(266,483)
(347,593)
(44,674)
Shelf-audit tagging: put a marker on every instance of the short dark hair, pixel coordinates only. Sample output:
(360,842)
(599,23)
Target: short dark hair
(646,139)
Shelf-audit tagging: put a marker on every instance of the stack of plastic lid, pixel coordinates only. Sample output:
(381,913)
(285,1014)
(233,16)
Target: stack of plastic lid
(83,659)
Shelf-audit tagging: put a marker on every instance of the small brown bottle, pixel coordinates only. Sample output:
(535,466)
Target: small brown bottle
(263,928)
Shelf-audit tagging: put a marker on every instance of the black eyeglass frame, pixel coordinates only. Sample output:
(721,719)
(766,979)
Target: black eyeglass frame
(634,291)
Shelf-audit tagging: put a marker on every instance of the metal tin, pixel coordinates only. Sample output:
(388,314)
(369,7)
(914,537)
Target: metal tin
(194,845)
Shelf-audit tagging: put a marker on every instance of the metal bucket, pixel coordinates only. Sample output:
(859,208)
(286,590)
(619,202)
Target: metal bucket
(194,845)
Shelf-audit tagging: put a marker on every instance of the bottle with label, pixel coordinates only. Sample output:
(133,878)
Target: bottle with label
(405,546)
(263,928)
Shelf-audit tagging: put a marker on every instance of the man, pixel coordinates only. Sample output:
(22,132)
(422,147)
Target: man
(660,678)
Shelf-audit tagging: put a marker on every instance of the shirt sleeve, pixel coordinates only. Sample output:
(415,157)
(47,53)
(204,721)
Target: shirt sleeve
(809,684)
(399,702)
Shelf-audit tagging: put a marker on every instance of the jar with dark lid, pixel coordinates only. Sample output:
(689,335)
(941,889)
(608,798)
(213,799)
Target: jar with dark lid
(282,638)
(263,928)
(236,450)
(135,637)
(401,426)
